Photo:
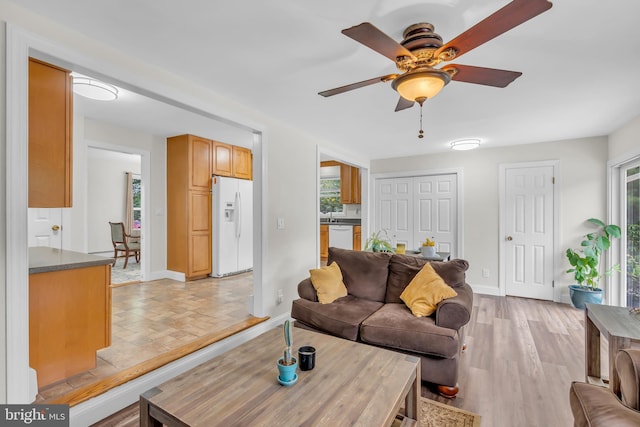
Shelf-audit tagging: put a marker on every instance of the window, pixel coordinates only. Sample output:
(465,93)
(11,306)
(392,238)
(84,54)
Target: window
(330,200)
(137,202)
(632,222)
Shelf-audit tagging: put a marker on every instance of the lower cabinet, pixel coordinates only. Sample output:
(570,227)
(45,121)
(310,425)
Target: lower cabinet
(324,242)
(357,237)
(199,235)
(69,320)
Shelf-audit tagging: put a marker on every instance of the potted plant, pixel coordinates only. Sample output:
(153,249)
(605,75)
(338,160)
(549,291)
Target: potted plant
(585,263)
(377,243)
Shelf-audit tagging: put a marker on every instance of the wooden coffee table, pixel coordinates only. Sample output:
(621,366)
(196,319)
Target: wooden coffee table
(352,384)
(620,327)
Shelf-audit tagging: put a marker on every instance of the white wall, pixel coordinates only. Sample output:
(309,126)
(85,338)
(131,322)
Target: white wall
(625,141)
(107,182)
(582,181)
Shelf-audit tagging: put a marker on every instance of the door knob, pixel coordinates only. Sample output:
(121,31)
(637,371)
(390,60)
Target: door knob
(55,227)
(509,238)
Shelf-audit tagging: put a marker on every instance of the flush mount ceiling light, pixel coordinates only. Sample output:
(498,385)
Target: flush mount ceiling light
(465,144)
(94,89)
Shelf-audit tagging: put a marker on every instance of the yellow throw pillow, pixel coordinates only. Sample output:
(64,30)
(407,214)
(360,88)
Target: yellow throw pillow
(328,283)
(425,291)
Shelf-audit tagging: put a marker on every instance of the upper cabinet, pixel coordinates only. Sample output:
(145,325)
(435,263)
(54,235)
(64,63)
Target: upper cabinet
(350,185)
(242,162)
(50,135)
(200,163)
(222,159)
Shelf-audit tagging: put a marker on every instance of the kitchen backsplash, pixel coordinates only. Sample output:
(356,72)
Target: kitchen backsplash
(352,211)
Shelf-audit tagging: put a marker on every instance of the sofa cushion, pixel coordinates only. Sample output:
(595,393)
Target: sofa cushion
(403,268)
(394,326)
(364,273)
(341,318)
(425,291)
(328,284)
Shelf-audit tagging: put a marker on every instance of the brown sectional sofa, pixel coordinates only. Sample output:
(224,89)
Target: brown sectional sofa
(373,312)
(595,406)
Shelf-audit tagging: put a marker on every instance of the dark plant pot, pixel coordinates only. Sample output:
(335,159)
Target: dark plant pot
(580,296)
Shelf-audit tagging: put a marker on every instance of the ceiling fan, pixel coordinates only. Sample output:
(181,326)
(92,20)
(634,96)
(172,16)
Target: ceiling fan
(421,50)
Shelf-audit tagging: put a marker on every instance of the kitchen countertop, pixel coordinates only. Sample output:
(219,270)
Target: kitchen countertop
(45,259)
(341,221)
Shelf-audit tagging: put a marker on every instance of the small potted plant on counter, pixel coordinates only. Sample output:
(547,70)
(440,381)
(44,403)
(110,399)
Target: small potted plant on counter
(585,264)
(377,243)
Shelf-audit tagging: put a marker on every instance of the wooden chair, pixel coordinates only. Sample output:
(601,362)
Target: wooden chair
(121,243)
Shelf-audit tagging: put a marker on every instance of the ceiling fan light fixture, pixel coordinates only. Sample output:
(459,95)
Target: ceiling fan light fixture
(465,144)
(94,89)
(421,83)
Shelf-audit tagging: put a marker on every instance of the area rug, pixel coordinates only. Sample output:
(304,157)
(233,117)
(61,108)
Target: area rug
(436,414)
(121,275)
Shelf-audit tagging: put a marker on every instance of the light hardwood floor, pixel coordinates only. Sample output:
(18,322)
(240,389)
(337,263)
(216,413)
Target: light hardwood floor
(155,322)
(521,357)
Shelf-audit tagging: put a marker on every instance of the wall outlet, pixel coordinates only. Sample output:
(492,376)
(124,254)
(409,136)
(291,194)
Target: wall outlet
(485,272)
(280,296)
(280,223)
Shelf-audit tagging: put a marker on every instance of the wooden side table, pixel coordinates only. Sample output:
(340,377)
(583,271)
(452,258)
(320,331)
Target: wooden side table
(620,327)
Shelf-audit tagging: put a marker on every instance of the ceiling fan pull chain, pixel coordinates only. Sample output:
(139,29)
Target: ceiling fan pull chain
(421,102)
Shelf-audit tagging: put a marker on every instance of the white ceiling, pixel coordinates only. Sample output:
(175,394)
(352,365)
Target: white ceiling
(580,62)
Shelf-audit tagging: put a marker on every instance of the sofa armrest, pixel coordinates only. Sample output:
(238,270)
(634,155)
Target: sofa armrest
(454,313)
(595,406)
(628,367)
(307,291)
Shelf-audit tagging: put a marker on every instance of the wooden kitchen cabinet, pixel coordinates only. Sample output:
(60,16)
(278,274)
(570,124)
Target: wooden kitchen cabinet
(189,206)
(324,242)
(222,158)
(50,136)
(350,184)
(242,163)
(200,163)
(357,237)
(69,320)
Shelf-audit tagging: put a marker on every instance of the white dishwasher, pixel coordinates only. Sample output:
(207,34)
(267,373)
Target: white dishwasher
(341,236)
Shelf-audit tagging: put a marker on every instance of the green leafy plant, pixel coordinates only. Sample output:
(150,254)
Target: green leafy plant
(585,262)
(377,243)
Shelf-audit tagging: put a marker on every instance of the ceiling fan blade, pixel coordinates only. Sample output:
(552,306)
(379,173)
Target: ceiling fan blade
(373,38)
(403,104)
(353,86)
(482,75)
(510,16)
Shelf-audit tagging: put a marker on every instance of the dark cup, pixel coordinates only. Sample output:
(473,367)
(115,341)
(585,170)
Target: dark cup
(306,358)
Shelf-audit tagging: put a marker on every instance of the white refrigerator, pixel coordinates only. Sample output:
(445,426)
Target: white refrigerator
(232,226)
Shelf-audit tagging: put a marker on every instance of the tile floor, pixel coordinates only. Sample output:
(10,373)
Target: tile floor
(150,318)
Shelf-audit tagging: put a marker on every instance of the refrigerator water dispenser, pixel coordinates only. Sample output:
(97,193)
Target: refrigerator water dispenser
(229,208)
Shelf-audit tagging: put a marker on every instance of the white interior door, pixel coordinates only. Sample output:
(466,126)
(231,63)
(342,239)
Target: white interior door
(394,209)
(435,211)
(45,227)
(529,228)
(414,208)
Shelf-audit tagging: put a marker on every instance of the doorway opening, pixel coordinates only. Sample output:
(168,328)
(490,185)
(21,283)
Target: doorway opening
(18,388)
(114,193)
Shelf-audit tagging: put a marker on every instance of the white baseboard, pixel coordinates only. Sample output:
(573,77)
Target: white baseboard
(168,274)
(486,290)
(118,398)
